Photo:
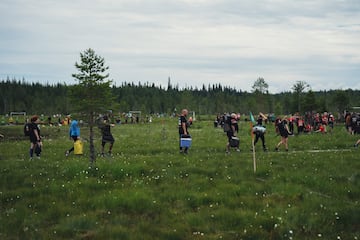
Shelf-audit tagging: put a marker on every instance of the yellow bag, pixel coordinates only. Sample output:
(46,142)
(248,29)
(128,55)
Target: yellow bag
(78,147)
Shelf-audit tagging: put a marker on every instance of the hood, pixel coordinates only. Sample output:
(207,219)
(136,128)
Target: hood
(74,123)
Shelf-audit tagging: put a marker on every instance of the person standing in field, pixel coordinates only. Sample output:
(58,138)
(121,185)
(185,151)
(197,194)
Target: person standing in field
(231,129)
(259,131)
(34,136)
(284,133)
(107,137)
(183,128)
(331,121)
(74,133)
(348,121)
(300,125)
(277,121)
(291,124)
(352,123)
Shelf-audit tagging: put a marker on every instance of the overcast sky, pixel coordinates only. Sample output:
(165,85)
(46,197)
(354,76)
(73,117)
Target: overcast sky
(194,42)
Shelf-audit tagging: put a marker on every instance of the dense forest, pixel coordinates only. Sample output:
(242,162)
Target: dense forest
(19,95)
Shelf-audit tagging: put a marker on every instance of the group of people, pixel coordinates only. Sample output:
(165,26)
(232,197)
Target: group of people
(32,130)
(311,122)
(352,122)
(231,127)
(315,122)
(105,127)
(229,122)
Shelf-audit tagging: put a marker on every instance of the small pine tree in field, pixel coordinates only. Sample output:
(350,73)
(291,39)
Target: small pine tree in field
(92,94)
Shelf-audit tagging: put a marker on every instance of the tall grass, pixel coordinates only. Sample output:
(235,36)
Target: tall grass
(147,190)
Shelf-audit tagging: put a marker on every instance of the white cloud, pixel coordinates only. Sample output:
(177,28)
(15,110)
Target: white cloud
(194,42)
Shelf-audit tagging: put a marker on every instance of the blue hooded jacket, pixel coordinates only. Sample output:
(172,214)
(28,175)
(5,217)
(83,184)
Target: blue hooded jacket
(74,129)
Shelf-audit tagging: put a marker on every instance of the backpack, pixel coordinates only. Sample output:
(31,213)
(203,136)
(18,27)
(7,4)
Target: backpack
(27,129)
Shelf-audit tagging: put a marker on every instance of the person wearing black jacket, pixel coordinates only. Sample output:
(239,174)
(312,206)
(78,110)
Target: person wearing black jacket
(231,128)
(183,128)
(34,136)
(284,133)
(259,131)
(107,137)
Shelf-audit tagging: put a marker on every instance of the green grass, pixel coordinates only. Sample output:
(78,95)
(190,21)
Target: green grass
(147,190)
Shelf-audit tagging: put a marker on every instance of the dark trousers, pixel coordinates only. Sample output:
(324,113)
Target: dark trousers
(75,138)
(262,137)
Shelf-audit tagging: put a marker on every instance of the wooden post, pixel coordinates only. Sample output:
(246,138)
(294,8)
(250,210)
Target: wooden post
(253,147)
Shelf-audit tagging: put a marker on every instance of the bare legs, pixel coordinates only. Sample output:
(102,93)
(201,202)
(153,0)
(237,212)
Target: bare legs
(284,141)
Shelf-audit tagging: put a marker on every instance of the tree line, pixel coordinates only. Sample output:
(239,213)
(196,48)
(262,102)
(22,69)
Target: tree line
(19,95)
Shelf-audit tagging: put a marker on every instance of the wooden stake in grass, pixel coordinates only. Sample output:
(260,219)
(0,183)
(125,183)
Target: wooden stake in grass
(163,130)
(253,147)
(252,120)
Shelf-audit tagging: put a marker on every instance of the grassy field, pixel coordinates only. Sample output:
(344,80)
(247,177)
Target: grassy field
(147,190)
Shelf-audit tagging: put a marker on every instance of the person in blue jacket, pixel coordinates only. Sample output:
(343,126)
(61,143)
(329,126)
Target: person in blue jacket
(74,133)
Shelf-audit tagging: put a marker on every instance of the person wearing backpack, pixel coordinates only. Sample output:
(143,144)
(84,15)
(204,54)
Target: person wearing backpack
(231,132)
(33,131)
(107,136)
(74,133)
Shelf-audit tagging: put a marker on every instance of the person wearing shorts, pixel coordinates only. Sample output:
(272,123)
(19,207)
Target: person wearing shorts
(284,133)
(107,137)
(35,138)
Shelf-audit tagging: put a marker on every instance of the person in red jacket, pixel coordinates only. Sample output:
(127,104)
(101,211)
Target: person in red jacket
(322,128)
(300,125)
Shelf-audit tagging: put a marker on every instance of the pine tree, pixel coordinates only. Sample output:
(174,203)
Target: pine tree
(92,94)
